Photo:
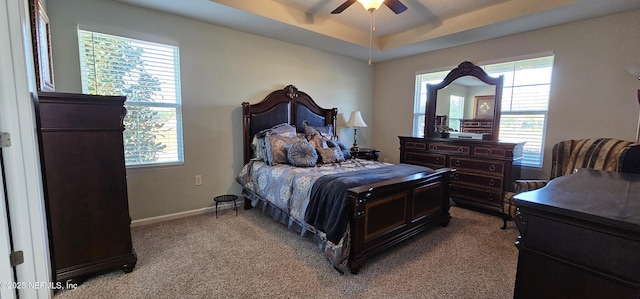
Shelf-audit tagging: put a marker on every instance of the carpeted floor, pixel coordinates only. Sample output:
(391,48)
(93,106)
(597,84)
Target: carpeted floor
(252,256)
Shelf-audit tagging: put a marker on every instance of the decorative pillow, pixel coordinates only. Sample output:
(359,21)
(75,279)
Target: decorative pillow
(330,155)
(283,129)
(275,148)
(257,145)
(302,154)
(317,142)
(326,132)
(339,144)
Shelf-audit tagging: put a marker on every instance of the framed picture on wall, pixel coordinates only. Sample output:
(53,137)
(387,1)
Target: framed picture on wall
(483,107)
(41,39)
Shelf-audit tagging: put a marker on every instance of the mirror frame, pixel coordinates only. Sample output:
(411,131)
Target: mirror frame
(464,69)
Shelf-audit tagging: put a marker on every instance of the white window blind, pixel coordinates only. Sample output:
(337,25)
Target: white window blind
(148,74)
(525,103)
(524,107)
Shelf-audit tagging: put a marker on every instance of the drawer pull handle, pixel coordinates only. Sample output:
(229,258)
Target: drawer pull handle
(436,160)
(492,167)
(456,176)
(460,149)
(490,197)
(457,163)
(435,147)
(492,182)
(489,152)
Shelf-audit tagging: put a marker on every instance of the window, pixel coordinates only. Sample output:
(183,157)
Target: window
(420,103)
(456,111)
(525,103)
(148,74)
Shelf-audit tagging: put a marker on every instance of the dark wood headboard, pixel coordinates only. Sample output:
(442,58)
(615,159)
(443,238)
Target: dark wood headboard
(287,105)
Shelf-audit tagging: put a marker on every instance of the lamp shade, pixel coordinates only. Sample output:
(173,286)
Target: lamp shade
(371,4)
(355,120)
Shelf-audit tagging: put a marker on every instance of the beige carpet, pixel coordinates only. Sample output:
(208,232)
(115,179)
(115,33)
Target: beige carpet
(252,256)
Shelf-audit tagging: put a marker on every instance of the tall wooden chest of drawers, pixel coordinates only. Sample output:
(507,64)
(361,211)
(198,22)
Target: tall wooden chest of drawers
(484,169)
(83,169)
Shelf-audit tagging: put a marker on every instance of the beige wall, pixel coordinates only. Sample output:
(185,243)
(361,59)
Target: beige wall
(592,95)
(220,69)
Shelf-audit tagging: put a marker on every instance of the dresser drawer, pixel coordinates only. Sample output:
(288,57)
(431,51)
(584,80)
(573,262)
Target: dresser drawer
(430,160)
(476,195)
(450,148)
(483,166)
(618,254)
(493,152)
(479,180)
(415,145)
(91,116)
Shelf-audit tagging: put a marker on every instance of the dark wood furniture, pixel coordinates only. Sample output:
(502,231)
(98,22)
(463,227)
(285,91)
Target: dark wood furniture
(466,71)
(477,126)
(366,153)
(484,169)
(580,237)
(380,215)
(83,168)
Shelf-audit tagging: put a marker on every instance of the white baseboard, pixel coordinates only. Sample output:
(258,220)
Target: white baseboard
(156,219)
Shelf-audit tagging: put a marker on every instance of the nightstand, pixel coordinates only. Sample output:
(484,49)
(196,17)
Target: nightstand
(366,153)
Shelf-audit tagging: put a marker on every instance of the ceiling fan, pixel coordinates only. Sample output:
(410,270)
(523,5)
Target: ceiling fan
(372,5)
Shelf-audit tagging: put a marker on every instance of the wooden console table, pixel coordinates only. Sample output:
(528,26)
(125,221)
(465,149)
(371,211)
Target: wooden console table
(580,237)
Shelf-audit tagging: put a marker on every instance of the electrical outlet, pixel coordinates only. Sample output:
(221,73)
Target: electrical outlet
(198,180)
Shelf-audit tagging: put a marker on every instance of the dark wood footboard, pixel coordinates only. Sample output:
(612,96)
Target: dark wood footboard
(389,212)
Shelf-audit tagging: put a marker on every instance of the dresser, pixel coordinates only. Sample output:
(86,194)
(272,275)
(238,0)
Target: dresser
(84,178)
(484,169)
(580,237)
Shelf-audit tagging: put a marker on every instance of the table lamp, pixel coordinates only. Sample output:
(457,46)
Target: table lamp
(355,122)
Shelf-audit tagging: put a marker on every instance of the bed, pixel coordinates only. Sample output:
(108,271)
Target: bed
(351,208)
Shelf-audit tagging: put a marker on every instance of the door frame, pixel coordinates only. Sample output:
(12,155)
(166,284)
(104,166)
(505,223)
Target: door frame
(22,162)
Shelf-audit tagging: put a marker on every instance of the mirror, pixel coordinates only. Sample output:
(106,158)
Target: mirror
(467,100)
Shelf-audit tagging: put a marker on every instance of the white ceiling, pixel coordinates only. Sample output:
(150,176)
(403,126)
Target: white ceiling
(426,25)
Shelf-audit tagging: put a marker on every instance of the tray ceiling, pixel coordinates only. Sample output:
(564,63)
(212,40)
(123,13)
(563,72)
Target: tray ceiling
(427,25)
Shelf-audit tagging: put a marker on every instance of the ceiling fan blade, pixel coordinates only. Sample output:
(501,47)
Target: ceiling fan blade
(395,6)
(343,6)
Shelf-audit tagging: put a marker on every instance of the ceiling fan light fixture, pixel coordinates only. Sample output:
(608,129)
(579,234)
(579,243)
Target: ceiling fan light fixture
(371,5)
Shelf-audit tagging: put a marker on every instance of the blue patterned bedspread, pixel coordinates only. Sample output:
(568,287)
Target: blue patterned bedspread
(288,187)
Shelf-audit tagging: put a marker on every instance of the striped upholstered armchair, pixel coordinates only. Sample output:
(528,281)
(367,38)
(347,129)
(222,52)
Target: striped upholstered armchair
(600,153)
